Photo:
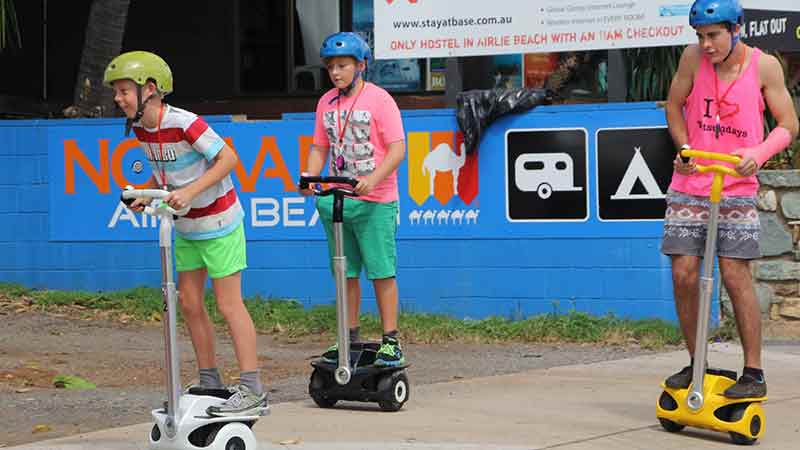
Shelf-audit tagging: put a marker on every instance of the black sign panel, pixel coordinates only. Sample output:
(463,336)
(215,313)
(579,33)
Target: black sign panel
(634,169)
(772,30)
(546,175)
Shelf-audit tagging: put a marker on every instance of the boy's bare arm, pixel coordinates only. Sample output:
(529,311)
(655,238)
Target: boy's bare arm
(782,108)
(224,163)
(316,160)
(395,153)
(777,96)
(679,91)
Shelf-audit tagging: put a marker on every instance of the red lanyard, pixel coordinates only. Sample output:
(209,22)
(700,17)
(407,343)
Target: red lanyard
(716,90)
(161,149)
(347,117)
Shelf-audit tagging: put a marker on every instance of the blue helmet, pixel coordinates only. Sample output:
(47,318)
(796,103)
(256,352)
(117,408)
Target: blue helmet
(345,44)
(708,12)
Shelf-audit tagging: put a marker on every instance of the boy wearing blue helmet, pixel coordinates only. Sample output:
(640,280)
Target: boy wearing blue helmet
(716,102)
(358,126)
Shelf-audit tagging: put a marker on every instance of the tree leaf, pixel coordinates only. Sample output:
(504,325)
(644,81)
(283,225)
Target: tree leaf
(72,382)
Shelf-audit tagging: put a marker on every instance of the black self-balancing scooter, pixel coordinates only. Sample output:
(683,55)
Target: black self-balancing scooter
(703,404)
(183,423)
(355,377)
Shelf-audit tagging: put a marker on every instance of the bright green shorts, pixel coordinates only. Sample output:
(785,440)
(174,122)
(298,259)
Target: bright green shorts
(369,231)
(221,256)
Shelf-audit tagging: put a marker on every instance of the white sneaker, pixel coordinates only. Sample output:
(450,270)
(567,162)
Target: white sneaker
(242,402)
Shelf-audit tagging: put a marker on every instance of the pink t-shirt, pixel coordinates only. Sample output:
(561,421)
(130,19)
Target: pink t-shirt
(358,140)
(741,121)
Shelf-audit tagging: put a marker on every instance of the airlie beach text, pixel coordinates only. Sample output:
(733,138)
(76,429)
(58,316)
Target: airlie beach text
(540,39)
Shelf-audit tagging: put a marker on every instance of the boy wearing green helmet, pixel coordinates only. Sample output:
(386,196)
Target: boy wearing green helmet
(716,103)
(358,125)
(191,161)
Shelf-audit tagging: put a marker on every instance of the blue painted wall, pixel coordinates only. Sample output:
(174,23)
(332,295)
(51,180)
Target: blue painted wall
(61,237)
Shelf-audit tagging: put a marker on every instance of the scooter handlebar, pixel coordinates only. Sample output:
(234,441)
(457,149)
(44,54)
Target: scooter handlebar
(157,207)
(306,183)
(305,180)
(724,157)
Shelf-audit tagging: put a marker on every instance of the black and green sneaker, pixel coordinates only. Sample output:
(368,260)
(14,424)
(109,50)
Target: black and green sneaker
(331,355)
(390,353)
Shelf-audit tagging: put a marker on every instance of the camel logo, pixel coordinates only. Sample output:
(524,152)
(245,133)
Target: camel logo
(439,168)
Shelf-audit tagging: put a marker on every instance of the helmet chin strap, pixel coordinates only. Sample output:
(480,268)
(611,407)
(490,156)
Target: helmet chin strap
(139,110)
(734,40)
(346,91)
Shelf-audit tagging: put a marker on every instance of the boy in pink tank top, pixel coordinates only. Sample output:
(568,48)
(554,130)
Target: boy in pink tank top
(716,103)
(359,129)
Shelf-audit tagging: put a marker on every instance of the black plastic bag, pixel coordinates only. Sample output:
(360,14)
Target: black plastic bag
(477,109)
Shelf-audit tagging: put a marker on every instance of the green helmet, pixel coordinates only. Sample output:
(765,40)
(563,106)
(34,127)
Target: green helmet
(139,67)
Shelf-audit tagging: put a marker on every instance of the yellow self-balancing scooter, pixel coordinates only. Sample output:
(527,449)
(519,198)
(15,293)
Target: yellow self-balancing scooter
(703,404)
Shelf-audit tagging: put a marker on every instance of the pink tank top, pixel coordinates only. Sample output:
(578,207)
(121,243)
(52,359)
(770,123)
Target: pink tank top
(741,125)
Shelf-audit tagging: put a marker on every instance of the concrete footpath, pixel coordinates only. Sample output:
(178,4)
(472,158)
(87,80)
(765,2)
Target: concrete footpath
(609,405)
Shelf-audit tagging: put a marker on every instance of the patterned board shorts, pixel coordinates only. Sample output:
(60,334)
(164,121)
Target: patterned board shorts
(686,221)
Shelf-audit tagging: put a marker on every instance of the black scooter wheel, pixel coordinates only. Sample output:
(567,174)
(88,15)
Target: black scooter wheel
(671,426)
(756,422)
(740,439)
(395,391)
(320,381)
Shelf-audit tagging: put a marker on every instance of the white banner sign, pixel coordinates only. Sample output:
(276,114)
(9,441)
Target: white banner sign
(442,28)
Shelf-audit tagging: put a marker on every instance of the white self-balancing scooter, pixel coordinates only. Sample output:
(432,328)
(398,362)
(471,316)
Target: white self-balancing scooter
(183,424)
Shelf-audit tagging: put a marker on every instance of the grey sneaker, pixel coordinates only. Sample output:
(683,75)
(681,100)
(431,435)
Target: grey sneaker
(242,402)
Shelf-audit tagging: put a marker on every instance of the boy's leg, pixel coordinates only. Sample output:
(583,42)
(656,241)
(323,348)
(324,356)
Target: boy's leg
(377,234)
(225,258)
(191,293)
(352,253)
(191,287)
(387,299)
(230,304)
(390,352)
(739,284)
(738,244)
(685,224)
(353,302)
(686,290)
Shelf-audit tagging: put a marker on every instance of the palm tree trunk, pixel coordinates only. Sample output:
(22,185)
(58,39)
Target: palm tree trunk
(102,43)
(9,28)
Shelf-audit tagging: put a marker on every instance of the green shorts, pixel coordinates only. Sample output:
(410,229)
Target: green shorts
(221,256)
(369,231)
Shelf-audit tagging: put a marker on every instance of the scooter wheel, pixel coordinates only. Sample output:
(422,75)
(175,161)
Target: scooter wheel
(324,402)
(756,422)
(395,390)
(671,426)
(319,382)
(155,434)
(740,439)
(231,436)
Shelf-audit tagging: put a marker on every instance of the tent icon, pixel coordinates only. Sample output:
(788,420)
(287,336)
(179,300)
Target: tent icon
(638,170)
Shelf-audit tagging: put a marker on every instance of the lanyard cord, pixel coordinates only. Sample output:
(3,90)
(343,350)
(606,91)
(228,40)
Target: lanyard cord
(161,165)
(347,117)
(716,91)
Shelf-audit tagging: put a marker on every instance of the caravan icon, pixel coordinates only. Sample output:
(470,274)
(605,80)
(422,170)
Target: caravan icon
(544,173)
